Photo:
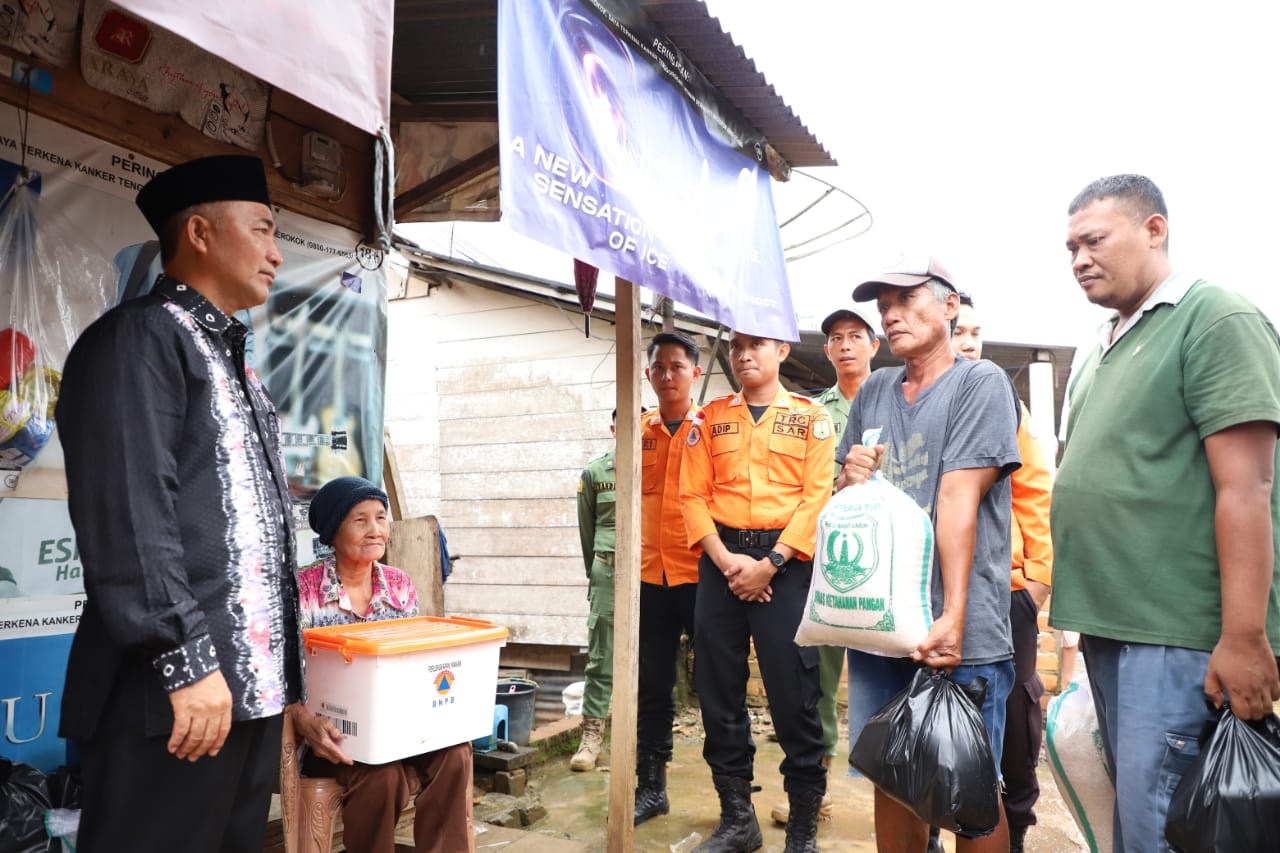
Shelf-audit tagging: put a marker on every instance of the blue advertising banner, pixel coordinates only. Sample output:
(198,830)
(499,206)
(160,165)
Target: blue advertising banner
(35,635)
(608,155)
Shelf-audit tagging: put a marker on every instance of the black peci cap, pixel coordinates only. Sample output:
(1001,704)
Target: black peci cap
(227,177)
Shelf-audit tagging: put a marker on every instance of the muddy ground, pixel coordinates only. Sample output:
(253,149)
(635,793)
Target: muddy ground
(576,802)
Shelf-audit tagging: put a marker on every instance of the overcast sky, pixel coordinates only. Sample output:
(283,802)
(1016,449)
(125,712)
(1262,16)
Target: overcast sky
(967,129)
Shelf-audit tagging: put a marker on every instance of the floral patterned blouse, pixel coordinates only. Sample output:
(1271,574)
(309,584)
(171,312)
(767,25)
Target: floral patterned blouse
(322,600)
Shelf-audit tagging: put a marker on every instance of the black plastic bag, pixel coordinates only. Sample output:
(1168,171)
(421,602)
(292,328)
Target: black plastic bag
(64,787)
(24,797)
(1229,799)
(928,749)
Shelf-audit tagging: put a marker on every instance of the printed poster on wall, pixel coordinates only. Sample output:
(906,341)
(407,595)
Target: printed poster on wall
(319,343)
(35,639)
(604,158)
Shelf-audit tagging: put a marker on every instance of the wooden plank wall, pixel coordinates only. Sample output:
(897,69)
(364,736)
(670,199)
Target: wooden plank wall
(495,402)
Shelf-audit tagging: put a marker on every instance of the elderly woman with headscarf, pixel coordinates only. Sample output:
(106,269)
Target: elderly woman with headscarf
(351,586)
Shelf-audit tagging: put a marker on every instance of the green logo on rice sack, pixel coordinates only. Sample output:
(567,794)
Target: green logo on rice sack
(851,554)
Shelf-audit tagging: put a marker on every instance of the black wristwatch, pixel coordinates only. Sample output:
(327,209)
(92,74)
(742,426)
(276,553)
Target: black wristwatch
(779,561)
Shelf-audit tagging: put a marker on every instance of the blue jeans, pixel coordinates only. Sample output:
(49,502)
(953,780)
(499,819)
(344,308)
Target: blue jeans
(874,680)
(1151,707)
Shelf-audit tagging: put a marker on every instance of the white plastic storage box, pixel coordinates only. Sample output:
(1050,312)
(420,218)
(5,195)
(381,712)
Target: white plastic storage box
(402,687)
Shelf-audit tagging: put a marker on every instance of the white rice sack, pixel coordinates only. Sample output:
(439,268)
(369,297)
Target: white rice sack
(1079,763)
(872,572)
(572,698)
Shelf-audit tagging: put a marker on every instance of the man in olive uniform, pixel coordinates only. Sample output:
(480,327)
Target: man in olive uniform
(597,495)
(851,344)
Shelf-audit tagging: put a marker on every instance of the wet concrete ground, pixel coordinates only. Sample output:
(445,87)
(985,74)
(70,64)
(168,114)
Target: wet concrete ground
(576,804)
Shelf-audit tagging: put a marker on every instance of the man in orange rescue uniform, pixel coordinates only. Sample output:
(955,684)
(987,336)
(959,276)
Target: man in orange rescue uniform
(757,470)
(668,566)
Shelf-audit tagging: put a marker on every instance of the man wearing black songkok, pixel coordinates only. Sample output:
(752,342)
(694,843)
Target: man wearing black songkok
(188,649)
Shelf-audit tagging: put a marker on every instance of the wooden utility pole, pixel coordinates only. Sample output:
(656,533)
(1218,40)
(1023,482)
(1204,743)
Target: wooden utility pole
(626,578)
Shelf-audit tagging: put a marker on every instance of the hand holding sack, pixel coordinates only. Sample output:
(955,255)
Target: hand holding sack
(928,750)
(873,571)
(1229,799)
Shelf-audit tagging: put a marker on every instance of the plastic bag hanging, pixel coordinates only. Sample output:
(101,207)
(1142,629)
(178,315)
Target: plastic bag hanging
(1229,799)
(51,287)
(585,277)
(927,748)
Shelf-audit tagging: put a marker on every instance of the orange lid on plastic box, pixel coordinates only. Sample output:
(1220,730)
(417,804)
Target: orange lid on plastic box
(401,636)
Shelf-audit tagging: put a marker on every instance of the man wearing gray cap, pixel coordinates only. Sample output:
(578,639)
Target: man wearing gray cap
(850,346)
(949,441)
(188,649)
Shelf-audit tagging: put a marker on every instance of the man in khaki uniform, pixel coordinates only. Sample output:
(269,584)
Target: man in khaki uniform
(597,495)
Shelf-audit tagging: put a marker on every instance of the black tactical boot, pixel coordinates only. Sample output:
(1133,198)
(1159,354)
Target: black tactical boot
(802,825)
(739,831)
(651,787)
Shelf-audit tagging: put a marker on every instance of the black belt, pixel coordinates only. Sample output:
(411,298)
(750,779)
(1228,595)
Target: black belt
(748,538)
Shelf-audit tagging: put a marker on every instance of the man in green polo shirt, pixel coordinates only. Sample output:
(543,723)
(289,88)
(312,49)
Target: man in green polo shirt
(851,345)
(1164,515)
(596,513)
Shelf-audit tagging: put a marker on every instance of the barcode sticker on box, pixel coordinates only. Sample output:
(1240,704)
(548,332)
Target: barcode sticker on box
(346,727)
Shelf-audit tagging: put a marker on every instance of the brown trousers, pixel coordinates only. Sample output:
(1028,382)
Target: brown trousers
(374,795)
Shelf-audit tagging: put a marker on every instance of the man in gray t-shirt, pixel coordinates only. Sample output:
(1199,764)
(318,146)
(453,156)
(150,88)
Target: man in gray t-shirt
(959,422)
(950,441)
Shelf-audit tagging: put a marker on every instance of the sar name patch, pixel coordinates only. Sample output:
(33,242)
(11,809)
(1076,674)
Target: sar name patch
(796,426)
(648,444)
(695,435)
(729,428)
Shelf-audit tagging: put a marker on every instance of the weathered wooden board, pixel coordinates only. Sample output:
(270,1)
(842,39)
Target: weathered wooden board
(414,548)
(551,629)
(500,484)
(527,599)
(518,459)
(546,512)
(515,541)
(566,572)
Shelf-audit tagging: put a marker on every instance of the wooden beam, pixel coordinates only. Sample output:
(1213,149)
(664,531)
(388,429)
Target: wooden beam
(445,112)
(557,658)
(626,578)
(391,477)
(447,181)
(169,139)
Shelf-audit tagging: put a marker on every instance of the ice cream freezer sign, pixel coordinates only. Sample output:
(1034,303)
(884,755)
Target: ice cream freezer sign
(35,639)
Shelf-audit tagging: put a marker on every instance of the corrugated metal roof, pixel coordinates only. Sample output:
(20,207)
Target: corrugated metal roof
(444,66)
(702,38)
